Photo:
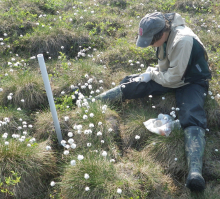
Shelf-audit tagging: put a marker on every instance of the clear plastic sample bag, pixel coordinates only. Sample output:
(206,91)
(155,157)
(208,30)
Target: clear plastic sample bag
(162,125)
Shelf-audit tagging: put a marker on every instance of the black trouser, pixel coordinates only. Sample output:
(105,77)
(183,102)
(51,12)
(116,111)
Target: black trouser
(189,98)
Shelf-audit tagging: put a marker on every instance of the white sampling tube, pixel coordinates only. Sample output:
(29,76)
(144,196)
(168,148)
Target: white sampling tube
(44,73)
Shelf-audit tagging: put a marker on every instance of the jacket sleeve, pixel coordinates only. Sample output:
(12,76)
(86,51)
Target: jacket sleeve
(178,60)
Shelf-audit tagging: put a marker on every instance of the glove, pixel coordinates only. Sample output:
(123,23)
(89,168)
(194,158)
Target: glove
(149,68)
(145,77)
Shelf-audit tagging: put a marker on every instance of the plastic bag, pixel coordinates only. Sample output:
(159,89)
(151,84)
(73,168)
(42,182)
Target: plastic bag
(163,125)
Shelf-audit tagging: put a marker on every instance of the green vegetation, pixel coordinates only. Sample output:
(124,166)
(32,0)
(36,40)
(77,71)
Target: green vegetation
(91,44)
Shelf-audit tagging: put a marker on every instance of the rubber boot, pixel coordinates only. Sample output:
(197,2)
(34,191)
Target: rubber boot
(194,149)
(113,95)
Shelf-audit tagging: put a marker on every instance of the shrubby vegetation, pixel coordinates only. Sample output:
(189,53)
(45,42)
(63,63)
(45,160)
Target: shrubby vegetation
(106,151)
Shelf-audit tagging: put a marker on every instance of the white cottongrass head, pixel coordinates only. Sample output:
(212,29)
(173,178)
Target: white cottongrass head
(104,153)
(110,130)
(137,137)
(99,133)
(73,146)
(32,140)
(112,160)
(66,118)
(91,115)
(30,126)
(104,107)
(66,152)
(70,134)
(89,144)
(91,125)
(52,183)
(87,189)
(48,148)
(119,191)
(85,117)
(9,97)
(73,162)
(80,157)
(86,176)
(5,135)
(79,127)
(63,142)
(70,141)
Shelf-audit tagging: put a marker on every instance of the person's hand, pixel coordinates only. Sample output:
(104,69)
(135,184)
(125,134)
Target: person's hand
(145,77)
(149,69)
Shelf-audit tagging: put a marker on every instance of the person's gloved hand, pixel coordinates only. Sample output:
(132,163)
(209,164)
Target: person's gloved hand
(149,68)
(145,77)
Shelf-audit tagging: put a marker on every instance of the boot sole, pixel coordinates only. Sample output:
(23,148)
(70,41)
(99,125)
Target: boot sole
(195,182)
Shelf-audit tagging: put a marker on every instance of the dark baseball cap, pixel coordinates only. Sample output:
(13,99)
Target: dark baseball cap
(149,25)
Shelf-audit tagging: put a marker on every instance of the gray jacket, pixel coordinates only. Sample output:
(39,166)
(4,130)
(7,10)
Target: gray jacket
(174,56)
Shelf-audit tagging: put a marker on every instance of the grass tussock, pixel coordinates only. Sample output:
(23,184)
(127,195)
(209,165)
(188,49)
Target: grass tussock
(169,152)
(101,181)
(50,43)
(79,73)
(133,126)
(106,124)
(106,178)
(33,164)
(11,119)
(152,181)
(127,58)
(25,90)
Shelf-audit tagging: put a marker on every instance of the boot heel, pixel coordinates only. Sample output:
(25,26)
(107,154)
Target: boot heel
(195,182)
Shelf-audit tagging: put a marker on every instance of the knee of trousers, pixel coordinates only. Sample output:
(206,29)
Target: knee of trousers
(191,117)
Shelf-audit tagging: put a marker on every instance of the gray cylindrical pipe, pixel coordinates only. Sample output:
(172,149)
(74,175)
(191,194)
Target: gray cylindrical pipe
(44,73)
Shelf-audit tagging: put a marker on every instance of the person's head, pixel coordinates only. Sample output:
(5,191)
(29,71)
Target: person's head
(153,30)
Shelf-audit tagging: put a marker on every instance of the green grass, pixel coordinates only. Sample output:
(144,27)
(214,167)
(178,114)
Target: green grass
(83,40)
